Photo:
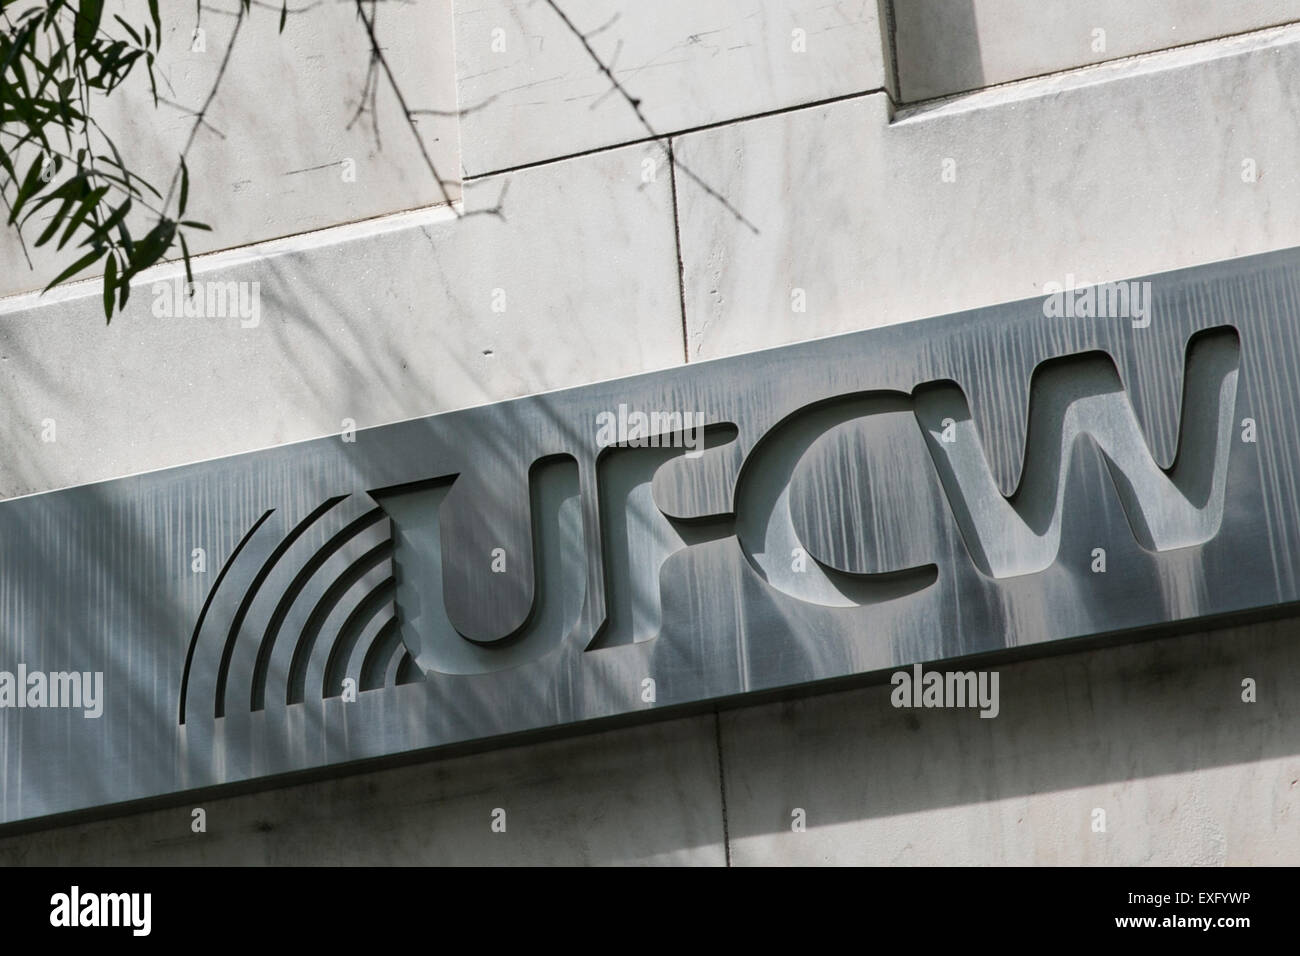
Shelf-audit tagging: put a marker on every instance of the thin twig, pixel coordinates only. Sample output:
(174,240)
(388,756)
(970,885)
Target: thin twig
(635,104)
(382,60)
(200,116)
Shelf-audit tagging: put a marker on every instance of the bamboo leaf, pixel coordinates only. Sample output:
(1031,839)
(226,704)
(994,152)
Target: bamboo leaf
(89,13)
(110,286)
(185,186)
(157,22)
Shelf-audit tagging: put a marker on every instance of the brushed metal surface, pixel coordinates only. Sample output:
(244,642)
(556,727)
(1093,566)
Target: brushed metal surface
(907,494)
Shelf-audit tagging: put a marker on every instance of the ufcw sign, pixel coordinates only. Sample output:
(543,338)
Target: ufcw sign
(392,540)
(971,485)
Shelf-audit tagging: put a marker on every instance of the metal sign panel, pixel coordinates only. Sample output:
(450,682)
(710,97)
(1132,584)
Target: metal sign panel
(840,507)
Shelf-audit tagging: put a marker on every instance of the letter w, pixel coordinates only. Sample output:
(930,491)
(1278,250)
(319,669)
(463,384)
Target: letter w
(1069,398)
